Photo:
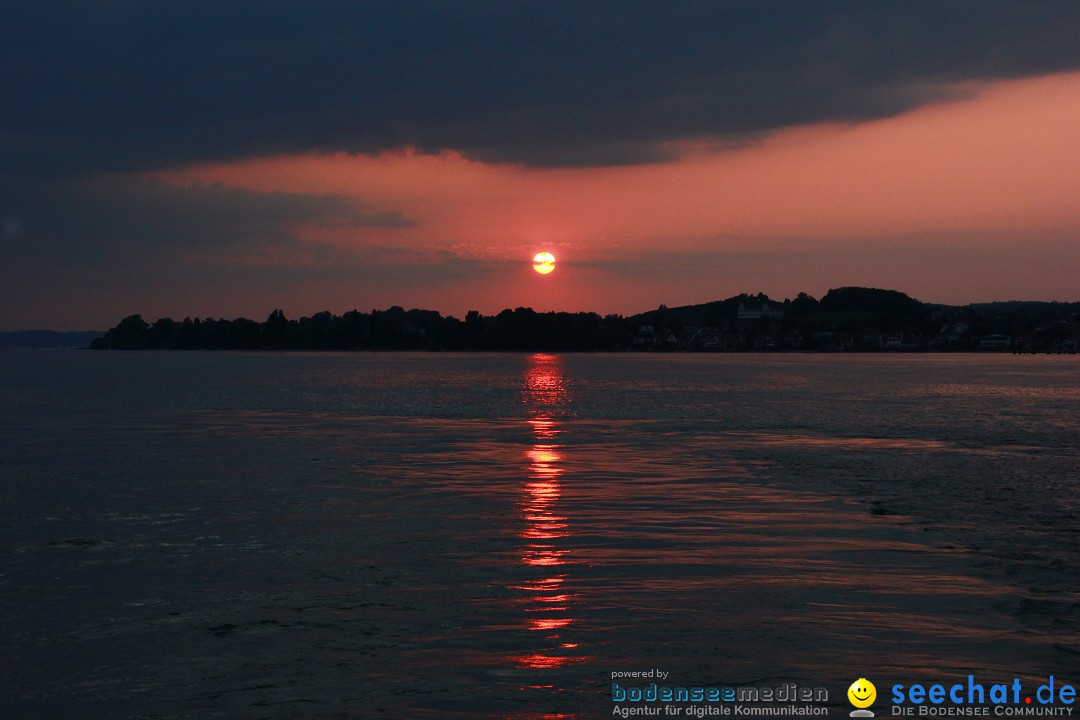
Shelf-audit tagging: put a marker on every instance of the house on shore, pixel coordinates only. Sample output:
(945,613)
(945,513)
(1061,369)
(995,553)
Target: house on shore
(755,310)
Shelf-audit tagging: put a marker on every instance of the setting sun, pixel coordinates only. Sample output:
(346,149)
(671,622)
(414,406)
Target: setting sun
(543,262)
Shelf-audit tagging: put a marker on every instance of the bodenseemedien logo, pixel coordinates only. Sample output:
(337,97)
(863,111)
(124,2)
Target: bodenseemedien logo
(862,694)
(785,701)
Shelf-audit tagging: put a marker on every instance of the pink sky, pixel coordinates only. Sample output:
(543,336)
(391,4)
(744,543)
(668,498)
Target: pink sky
(967,200)
(362,155)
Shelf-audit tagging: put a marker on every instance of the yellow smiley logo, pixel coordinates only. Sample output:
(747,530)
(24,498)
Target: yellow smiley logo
(862,693)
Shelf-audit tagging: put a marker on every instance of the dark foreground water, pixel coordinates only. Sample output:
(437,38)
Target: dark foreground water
(213,535)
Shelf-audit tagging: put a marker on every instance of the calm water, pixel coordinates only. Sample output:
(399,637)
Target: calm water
(212,535)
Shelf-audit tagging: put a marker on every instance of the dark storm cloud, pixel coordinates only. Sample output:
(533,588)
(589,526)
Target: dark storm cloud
(70,223)
(126,85)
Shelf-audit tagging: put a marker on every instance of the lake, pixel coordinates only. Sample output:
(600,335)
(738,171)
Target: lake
(280,535)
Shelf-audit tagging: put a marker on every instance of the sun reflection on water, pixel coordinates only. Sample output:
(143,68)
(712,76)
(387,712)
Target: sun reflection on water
(547,605)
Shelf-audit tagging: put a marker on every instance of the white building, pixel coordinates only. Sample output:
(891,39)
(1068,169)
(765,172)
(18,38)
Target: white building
(754,310)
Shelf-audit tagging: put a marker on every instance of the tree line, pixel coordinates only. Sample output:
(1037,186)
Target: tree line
(845,318)
(522,329)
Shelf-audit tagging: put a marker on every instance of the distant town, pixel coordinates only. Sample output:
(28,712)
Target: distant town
(849,319)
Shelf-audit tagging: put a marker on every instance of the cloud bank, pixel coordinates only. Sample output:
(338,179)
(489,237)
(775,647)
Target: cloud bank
(133,86)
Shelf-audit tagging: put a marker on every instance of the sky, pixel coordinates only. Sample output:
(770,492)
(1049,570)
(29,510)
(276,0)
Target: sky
(223,159)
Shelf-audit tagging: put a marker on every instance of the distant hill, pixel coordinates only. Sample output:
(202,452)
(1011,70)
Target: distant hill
(710,313)
(846,305)
(48,339)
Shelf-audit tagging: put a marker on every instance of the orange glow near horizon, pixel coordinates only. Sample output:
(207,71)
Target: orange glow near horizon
(991,174)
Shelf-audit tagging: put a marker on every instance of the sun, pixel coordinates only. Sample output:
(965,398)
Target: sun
(543,262)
